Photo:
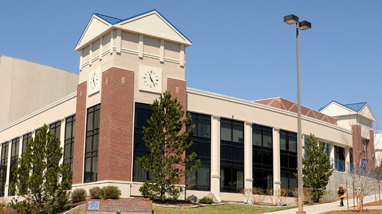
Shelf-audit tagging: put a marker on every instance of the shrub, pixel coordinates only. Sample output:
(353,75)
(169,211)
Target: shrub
(78,195)
(110,192)
(95,193)
(149,190)
(206,200)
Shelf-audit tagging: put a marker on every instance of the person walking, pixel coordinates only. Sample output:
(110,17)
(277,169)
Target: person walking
(341,194)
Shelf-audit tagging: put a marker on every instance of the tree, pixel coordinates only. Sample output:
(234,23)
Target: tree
(167,139)
(38,176)
(316,169)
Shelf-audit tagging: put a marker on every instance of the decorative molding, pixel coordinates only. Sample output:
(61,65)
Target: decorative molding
(90,53)
(264,107)
(249,179)
(46,108)
(161,51)
(111,41)
(129,51)
(140,46)
(119,41)
(100,48)
(151,56)
(181,57)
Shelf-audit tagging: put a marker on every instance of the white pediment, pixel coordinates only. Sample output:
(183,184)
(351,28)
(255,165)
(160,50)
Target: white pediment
(334,109)
(366,112)
(95,28)
(154,25)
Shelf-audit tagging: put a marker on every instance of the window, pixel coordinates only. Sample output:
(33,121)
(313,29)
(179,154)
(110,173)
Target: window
(3,167)
(91,147)
(70,123)
(288,159)
(143,112)
(262,155)
(202,147)
(325,148)
(26,138)
(339,158)
(365,149)
(231,155)
(14,159)
(55,128)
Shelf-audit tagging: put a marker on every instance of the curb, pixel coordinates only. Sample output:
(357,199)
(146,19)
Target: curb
(206,205)
(75,208)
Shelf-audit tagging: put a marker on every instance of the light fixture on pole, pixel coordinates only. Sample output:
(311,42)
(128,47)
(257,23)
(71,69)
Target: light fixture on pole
(304,25)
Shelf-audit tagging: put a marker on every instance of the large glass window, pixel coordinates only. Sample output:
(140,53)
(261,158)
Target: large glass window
(91,147)
(26,138)
(70,123)
(325,148)
(14,159)
(231,155)
(288,159)
(262,154)
(55,128)
(339,158)
(202,147)
(3,167)
(143,112)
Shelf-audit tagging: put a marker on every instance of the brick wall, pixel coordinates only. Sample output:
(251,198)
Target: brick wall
(116,120)
(357,143)
(178,88)
(78,156)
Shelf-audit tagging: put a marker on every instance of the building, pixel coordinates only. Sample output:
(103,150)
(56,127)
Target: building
(124,65)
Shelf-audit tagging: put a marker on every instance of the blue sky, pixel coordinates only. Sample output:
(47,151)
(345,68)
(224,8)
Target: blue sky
(240,48)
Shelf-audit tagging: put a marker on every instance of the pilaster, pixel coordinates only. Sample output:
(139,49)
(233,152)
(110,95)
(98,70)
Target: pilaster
(248,155)
(276,160)
(215,156)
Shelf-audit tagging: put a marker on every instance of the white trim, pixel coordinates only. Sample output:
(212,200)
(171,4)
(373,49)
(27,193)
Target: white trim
(129,51)
(46,108)
(181,57)
(90,53)
(100,48)
(111,40)
(151,56)
(161,51)
(171,60)
(119,41)
(140,46)
(265,107)
(101,182)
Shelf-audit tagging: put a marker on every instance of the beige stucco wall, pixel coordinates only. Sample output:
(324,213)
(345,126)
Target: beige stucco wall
(246,111)
(27,86)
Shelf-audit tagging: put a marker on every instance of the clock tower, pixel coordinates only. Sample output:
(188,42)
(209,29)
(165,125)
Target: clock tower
(122,62)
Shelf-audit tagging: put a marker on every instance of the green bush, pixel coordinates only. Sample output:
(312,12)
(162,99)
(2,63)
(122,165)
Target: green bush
(206,200)
(149,190)
(78,195)
(110,192)
(95,193)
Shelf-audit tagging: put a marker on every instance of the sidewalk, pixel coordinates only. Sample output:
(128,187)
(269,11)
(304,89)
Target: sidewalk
(321,208)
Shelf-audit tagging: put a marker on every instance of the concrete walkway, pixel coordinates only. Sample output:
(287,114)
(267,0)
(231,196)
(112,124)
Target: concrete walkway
(321,208)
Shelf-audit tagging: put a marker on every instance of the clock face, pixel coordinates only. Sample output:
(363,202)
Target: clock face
(94,81)
(150,79)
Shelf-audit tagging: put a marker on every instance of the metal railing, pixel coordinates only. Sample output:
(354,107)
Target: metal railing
(342,166)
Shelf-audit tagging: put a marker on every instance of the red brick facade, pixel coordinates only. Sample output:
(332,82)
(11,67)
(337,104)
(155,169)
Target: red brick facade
(78,156)
(116,125)
(178,88)
(357,147)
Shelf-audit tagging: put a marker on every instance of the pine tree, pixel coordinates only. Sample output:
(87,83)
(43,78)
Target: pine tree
(167,139)
(316,169)
(38,176)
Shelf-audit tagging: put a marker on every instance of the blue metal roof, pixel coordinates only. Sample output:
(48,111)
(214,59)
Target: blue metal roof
(352,106)
(109,19)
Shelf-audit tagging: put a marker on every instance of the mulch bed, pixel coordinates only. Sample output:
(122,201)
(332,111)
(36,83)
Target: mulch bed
(71,206)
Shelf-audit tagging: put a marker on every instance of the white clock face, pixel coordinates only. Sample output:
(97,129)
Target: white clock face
(150,79)
(94,81)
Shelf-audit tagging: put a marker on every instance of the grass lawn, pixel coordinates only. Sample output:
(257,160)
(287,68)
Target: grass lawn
(227,208)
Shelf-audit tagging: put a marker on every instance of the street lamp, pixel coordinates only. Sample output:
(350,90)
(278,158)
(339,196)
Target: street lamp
(304,25)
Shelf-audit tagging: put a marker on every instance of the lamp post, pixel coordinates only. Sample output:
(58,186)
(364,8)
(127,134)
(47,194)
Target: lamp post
(304,25)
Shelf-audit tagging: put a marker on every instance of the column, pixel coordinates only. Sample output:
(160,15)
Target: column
(276,160)
(62,139)
(248,155)
(347,159)
(215,156)
(6,189)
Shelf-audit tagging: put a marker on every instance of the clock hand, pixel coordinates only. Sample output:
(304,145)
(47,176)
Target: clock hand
(152,80)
